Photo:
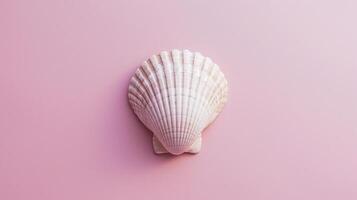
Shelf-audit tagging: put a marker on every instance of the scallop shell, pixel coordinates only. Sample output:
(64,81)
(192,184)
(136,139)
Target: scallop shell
(177,95)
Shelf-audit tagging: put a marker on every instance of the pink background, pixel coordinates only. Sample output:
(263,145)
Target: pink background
(289,130)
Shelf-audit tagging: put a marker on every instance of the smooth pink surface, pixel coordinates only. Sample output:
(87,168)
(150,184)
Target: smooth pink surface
(289,130)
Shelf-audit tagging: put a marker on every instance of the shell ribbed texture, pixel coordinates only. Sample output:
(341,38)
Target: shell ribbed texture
(176,95)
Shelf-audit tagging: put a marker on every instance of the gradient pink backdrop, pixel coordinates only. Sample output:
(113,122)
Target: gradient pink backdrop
(289,130)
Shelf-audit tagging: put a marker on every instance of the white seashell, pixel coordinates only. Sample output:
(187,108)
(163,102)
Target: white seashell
(177,95)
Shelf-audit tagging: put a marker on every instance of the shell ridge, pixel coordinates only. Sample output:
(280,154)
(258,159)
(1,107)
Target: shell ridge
(165,92)
(135,91)
(195,97)
(197,90)
(214,92)
(175,54)
(168,68)
(219,97)
(140,89)
(179,88)
(157,96)
(197,67)
(136,109)
(133,99)
(147,69)
(202,89)
(160,77)
(210,87)
(222,101)
(188,65)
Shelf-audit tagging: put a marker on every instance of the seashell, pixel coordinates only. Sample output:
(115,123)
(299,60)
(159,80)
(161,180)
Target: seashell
(177,95)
